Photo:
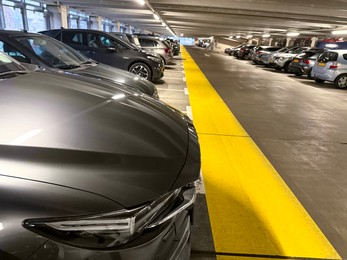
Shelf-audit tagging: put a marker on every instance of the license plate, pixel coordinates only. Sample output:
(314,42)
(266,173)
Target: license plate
(296,60)
(321,64)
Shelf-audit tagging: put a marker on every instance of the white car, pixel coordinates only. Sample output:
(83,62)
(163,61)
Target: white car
(331,66)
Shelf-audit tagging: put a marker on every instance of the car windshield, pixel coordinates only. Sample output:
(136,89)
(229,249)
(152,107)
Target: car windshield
(327,56)
(298,51)
(8,65)
(55,53)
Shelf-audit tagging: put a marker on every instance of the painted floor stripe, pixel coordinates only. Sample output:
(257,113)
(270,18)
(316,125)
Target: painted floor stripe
(251,209)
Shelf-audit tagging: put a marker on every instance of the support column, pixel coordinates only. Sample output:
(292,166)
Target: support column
(100,23)
(118,26)
(58,17)
(129,29)
(313,41)
(288,41)
(270,41)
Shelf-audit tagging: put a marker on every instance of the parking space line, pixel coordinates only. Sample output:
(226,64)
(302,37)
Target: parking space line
(251,209)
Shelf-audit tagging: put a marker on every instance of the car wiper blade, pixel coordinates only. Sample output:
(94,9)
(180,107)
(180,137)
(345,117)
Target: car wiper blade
(13,72)
(89,62)
(68,66)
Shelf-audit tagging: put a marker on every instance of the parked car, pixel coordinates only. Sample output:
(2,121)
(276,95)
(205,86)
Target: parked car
(235,51)
(111,50)
(331,66)
(158,46)
(127,37)
(227,50)
(265,53)
(283,60)
(176,48)
(304,62)
(244,52)
(89,173)
(274,55)
(53,55)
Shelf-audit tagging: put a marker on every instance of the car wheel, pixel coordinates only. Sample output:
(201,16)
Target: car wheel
(319,80)
(286,67)
(277,68)
(298,74)
(141,69)
(163,60)
(341,81)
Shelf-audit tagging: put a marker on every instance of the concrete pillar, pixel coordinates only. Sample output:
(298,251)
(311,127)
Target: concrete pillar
(64,13)
(99,23)
(129,29)
(270,41)
(288,41)
(118,26)
(313,41)
(94,22)
(59,15)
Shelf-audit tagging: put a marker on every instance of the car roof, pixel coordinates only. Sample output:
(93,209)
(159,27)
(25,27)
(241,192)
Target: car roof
(18,33)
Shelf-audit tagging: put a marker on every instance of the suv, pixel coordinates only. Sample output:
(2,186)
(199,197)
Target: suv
(158,46)
(331,66)
(52,55)
(111,50)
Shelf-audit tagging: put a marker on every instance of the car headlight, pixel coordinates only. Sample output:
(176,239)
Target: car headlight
(111,229)
(154,59)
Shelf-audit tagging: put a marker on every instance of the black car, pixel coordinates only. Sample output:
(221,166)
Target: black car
(303,63)
(90,173)
(111,50)
(50,54)
(244,52)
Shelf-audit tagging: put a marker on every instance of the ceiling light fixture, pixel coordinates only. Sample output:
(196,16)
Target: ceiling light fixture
(156,17)
(293,34)
(163,24)
(249,36)
(339,32)
(230,37)
(141,2)
(238,36)
(266,35)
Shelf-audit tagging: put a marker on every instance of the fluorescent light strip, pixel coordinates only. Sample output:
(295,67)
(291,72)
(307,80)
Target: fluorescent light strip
(339,32)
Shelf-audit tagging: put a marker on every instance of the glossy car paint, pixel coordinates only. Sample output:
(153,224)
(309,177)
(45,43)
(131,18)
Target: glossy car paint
(283,60)
(303,63)
(14,41)
(72,146)
(161,47)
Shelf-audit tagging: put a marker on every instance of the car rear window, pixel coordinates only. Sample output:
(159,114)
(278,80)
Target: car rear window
(328,56)
(272,49)
(345,56)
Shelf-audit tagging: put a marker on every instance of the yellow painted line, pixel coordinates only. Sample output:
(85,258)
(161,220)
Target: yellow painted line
(251,209)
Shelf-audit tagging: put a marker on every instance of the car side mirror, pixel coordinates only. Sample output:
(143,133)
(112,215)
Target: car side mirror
(111,49)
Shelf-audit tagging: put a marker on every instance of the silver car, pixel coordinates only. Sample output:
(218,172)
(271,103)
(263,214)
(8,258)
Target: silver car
(158,46)
(331,66)
(283,60)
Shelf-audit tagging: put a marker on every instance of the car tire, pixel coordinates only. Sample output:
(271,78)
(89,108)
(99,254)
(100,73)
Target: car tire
(278,68)
(298,74)
(286,67)
(141,69)
(320,81)
(163,60)
(341,81)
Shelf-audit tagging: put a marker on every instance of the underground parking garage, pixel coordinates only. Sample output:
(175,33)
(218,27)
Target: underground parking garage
(157,130)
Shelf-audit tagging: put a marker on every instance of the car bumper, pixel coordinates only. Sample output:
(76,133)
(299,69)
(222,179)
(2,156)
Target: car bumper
(296,69)
(170,242)
(324,74)
(158,72)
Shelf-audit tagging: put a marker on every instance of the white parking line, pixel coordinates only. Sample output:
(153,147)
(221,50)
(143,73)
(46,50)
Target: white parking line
(184,79)
(189,112)
(186,91)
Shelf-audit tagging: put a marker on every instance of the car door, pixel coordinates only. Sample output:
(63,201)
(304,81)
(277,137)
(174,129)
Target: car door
(107,50)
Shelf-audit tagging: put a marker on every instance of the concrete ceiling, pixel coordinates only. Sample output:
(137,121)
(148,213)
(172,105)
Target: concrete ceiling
(223,17)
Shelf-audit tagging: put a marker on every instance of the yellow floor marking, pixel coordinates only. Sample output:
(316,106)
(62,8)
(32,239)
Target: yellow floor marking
(251,209)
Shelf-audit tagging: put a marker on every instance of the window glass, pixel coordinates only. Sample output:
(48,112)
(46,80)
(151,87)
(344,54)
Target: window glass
(73,23)
(120,46)
(53,52)
(327,56)
(13,18)
(36,21)
(345,56)
(146,43)
(13,52)
(71,37)
(83,24)
(98,41)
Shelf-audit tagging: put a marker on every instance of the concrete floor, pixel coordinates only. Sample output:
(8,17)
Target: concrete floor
(299,125)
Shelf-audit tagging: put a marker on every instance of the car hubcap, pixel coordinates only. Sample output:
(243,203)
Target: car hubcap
(141,71)
(342,82)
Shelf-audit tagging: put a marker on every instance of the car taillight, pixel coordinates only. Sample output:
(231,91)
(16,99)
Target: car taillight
(167,50)
(242,50)
(258,52)
(306,61)
(333,65)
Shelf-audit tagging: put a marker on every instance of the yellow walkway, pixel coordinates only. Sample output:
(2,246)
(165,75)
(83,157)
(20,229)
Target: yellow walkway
(251,209)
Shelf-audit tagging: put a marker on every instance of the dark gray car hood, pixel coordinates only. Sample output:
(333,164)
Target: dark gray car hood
(129,148)
(122,77)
